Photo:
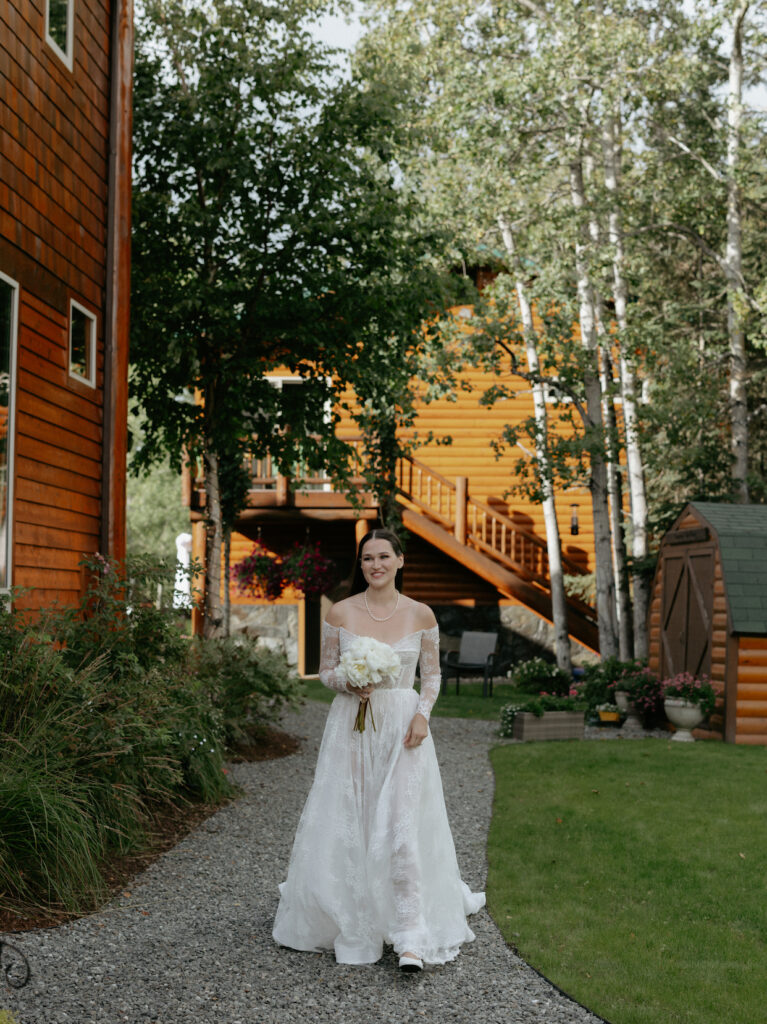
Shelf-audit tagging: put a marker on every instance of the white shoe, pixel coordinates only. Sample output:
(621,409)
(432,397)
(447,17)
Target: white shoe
(410,963)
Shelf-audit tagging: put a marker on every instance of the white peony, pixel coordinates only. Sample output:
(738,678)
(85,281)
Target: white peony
(367,662)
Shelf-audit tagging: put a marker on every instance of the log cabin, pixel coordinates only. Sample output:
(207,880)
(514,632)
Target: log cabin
(65,179)
(475,553)
(708,613)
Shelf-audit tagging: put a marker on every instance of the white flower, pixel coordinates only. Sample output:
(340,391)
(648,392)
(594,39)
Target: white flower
(367,662)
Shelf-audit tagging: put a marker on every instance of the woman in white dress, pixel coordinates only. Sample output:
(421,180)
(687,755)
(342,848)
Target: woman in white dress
(373,859)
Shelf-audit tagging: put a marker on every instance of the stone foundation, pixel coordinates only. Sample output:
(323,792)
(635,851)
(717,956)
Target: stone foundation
(274,626)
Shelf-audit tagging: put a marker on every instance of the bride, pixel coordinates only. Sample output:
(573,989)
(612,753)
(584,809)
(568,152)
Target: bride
(373,859)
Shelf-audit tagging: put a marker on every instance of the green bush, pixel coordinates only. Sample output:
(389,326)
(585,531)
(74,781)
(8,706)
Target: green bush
(537,706)
(599,679)
(248,683)
(537,675)
(108,714)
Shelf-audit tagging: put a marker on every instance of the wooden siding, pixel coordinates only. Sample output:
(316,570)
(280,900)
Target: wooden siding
(54,211)
(751,717)
(473,427)
(719,632)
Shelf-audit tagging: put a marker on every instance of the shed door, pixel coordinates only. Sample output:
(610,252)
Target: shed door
(688,601)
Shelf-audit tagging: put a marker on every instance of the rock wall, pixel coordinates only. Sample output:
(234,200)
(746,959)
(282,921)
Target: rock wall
(272,625)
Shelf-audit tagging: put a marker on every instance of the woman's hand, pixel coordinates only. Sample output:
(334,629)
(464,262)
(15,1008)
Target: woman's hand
(418,731)
(359,691)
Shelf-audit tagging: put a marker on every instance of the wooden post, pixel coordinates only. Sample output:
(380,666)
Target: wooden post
(283,490)
(461,496)
(302,637)
(361,529)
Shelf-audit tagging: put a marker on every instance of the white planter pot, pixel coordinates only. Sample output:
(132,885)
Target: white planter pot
(685,715)
(632,724)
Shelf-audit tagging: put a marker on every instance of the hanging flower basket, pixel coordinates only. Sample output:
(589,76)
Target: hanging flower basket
(262,574)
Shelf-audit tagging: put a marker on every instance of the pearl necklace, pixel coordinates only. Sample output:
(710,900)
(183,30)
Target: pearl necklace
(375,617)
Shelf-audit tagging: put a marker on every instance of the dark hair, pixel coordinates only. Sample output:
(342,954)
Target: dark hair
(359,583)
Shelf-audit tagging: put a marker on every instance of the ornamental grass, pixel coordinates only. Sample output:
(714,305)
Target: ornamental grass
(109,717)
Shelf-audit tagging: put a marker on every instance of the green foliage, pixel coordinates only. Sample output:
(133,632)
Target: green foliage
(686,686)
(537,674)
(103,728)
(537,706)
(248,683)
(644,689)
(600,678)
(155,515)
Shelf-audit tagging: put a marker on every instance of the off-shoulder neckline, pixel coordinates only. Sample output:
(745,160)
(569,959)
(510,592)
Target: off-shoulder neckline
(390,643)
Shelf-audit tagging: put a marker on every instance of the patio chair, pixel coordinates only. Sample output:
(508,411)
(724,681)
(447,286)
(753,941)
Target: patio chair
(476,654)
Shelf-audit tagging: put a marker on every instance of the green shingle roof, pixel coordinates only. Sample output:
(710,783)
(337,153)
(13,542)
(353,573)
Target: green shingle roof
(742,534)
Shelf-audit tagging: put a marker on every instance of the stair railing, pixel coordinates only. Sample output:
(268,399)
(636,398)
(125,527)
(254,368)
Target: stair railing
(477,524)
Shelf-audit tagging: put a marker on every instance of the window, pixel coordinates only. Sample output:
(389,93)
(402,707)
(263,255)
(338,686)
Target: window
(9,304)
(293,402)
(82,344)
(59,28)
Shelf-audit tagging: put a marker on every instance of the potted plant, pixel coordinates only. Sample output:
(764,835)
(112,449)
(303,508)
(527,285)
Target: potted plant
(687,700)
(545,717)
(304,567)
(608,713)
(639,696)
(537,675)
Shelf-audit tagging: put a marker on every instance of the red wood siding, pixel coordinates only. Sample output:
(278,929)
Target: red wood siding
(53,241)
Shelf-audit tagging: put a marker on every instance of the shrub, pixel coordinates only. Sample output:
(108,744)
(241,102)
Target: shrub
(686,686)
(599,679)
(248,683)
(537,674)
(537,706)
(644,689)
(114,720)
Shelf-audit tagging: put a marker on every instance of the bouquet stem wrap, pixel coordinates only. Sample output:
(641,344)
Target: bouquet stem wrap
(368,662)
(359,721)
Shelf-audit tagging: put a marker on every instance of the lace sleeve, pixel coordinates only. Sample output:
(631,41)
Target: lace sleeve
(431,677)
(331,673)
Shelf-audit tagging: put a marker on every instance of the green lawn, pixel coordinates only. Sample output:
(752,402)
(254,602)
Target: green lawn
(634,875)
(469,703)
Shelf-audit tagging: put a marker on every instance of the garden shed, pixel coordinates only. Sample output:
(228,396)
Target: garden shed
(708,612)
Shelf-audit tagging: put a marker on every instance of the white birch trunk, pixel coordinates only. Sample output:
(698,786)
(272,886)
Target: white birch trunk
(733,262)
(635,467)
(605,579)
(615,502)
(553,540)
(612,451)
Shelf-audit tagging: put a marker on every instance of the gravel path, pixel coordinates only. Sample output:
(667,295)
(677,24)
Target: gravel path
(190,943)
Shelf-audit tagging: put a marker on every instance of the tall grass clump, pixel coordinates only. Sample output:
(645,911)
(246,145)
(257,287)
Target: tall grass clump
(108,716)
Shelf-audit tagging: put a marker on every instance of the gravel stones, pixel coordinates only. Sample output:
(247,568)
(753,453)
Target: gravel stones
(190,941)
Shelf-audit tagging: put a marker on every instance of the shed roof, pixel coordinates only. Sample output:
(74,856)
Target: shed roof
(742,534)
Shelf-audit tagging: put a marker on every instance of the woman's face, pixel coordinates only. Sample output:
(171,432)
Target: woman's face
(379,563)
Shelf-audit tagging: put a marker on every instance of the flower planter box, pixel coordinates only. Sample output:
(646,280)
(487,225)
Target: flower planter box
(552,725)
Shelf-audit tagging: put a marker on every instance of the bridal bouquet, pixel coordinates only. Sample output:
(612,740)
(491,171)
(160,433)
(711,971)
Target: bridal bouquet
(367,662)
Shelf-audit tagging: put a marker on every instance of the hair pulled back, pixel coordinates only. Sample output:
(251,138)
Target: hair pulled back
(359,582)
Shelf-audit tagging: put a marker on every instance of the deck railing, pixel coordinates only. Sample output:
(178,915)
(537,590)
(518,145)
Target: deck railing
(476,523)
(473,523)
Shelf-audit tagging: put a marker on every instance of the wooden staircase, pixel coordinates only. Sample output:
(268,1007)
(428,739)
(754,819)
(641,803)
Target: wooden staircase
(487,542)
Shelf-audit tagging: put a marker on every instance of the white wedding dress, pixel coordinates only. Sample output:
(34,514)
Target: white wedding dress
(373,859)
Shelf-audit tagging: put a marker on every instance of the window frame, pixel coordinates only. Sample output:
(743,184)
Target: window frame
(90,380)
(324,482)
(66,58)
(5,586)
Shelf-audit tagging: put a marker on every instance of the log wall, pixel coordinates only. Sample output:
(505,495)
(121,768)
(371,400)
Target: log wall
(751,714)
